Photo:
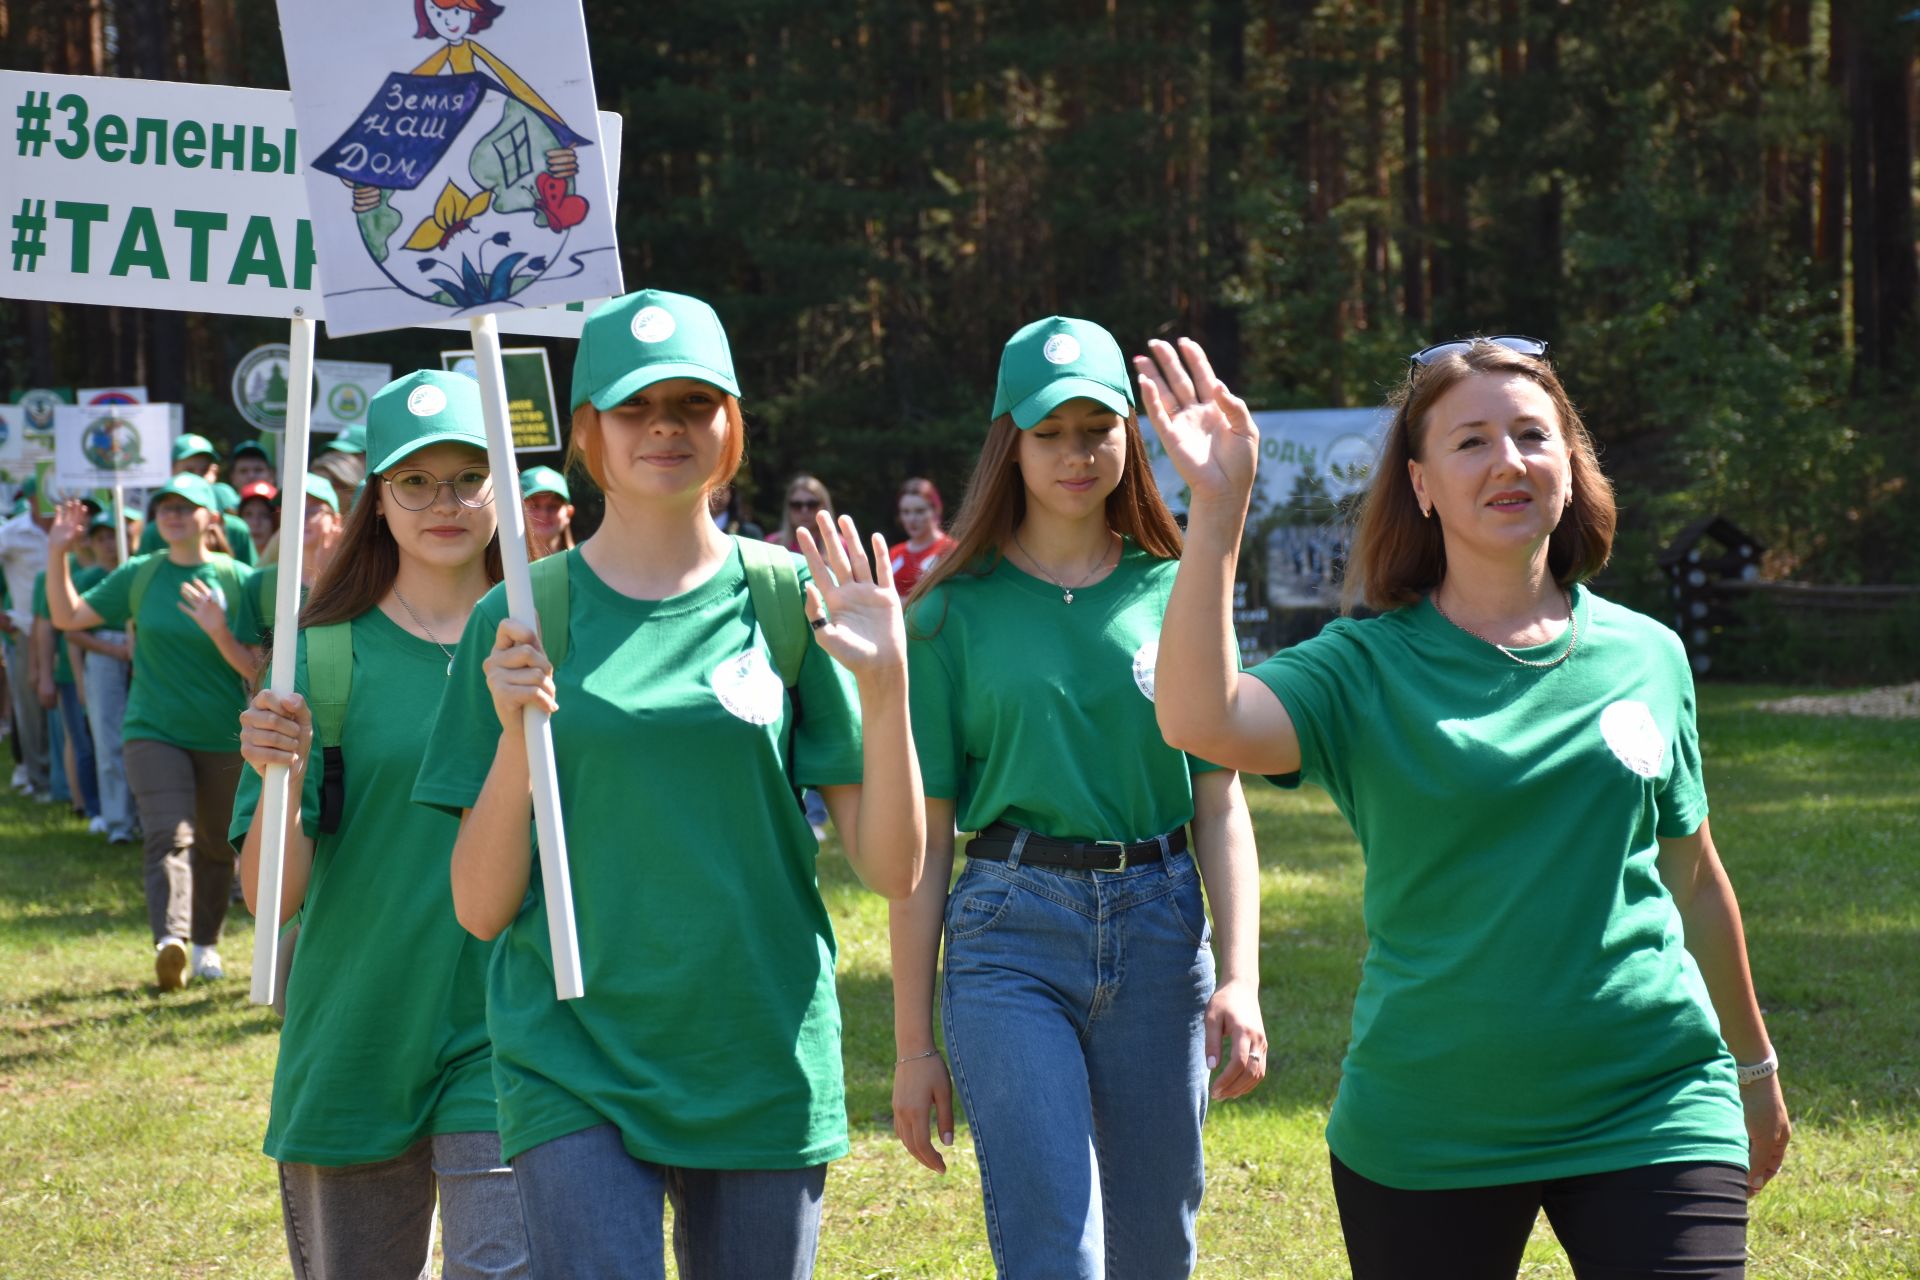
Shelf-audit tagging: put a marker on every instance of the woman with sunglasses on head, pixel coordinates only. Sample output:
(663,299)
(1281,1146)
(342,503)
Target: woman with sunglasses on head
(1555,1009)
(694,691)
(181,746)
(1079,1002)
(383,1095)
(807,501)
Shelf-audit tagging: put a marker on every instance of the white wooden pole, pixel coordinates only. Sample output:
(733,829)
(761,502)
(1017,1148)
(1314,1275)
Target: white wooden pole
(556,880)
(286,613)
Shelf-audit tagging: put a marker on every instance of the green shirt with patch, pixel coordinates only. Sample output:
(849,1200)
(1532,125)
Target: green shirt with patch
(1030,710)
(710,1031)
(1527,1008)
(183,692)
(385,1040)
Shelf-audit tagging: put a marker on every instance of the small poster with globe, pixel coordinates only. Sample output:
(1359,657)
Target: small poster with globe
(99,446)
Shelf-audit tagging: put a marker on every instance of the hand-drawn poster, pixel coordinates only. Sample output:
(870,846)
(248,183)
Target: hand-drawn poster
(450,151)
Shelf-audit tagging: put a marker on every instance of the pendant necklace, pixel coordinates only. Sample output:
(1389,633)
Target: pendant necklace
(1066,592)
(1573,633)
(424,627)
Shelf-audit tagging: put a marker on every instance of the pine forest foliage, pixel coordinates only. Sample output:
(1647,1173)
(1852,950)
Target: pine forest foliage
(1708,208)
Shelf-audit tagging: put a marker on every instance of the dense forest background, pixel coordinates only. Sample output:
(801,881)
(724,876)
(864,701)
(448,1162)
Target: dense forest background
(1708,208)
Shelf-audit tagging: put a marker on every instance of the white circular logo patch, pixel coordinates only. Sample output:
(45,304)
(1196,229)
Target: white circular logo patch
(653,324)
(749,688)
(1143,664)
(426,401)
(1061,348)
(1632,735)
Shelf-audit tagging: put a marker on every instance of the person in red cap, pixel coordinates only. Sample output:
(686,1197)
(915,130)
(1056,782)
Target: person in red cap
(256,508)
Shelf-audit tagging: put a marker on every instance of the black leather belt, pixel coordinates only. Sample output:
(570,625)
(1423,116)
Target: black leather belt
(996,845)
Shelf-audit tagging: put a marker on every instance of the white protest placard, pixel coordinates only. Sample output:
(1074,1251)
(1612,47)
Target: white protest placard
(100,446)
(110,395)
(346,388)
(180,197)
(452,158)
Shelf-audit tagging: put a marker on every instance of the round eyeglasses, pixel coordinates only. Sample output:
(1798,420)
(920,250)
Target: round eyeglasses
(417,490)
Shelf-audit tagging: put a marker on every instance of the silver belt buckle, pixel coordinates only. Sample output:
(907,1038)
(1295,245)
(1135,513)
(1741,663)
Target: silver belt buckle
(1121,845)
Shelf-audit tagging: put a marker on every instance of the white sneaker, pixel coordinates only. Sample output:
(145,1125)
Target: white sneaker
(97,826)
(20,782)
(206,963)
(170,963)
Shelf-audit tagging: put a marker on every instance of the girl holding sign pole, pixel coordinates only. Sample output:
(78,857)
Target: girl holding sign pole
(1555,1011)
(695,681)
(383,1093)
(1080,1003)
(180,735)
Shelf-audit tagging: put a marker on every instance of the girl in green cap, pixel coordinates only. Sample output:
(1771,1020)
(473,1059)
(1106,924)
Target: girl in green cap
(1080,1003)
(1555,1012)
(549,505)
(181,746)
(694,693)
(383,1093)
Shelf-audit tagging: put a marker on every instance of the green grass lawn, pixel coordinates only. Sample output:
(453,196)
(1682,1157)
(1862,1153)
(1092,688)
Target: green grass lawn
(130,1123)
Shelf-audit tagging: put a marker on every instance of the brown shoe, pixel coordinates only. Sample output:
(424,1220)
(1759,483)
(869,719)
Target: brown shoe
(170,964)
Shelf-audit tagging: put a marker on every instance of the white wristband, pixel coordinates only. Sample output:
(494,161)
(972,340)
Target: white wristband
(1759,1070)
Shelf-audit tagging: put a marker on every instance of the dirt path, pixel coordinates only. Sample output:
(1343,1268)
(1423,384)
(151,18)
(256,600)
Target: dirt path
(1894,702)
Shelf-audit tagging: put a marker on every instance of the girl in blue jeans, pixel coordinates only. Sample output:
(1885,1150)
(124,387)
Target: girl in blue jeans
(1080,1003)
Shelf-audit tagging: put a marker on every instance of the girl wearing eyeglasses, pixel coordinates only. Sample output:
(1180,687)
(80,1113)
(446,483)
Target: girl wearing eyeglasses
(1079,1001)
(383,1093)
(1555,1009)
(702,1065)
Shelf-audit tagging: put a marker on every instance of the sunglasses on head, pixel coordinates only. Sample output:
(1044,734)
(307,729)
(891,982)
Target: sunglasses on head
(1534,347)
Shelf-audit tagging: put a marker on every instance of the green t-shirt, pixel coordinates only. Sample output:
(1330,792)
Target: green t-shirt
(82,578)
(385,1040)
(257,602)
(183,691)
(709,1032)
(1039,712)
(238,536)
(1528,1008)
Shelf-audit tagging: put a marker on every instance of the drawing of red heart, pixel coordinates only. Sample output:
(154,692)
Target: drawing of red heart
(562,210)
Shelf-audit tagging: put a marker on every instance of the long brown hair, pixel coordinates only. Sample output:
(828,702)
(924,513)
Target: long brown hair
(996,503)
(365,564)
(216,536)
(1400,555)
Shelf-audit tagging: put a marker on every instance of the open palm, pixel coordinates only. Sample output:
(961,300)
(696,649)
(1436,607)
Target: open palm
(1207,431)
(865,630)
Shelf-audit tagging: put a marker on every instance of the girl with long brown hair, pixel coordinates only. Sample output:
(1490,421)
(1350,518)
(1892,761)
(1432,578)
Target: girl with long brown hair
(1080,1004)
(1555,1011)
(383,1095)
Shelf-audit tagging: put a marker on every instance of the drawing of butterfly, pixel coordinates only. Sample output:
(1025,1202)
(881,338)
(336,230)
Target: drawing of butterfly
(453,213)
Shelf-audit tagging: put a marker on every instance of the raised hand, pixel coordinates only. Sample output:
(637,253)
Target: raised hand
(69,526)
(1208,431)
(863,626)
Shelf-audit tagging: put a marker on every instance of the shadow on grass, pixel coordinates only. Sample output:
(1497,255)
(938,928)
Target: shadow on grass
(41,1031)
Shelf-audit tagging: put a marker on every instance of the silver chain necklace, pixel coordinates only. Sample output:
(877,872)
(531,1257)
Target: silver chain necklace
(1573,633)
(1066,592)
(424,627)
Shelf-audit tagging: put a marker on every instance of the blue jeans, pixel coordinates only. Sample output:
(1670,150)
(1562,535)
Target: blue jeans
(107,683)
(57,789)
(1074,1004)
(593,1213)
(73,717)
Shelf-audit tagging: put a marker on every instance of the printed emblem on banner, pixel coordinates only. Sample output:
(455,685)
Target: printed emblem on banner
(111,443)
(1144,660)
(260,386)
(749,688)
(1061,348)
(653,324)
(1633,737)
(39,407)
(426,401)
(348,402)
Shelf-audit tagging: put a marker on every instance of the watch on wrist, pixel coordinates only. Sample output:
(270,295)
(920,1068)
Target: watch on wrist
(1759,1070)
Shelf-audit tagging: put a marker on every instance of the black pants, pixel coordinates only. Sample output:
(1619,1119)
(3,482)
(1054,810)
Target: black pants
(1659,1220)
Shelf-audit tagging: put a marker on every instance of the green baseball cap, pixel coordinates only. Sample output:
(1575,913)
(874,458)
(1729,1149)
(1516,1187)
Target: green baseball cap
(227,496)
(646,337)
(544,480)
(1058,359)
(192,446)
(352,440)
(101,521)
(427,407)
(193,488)
(251,446)
(319,488)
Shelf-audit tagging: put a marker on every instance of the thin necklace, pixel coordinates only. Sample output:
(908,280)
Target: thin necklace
(1066,592)
(424,627)
(1573,632)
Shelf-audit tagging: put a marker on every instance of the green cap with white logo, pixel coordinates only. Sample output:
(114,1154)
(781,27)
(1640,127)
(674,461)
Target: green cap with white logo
(427,407)
(320,489)
(227,496)
(1055,360)
(635,341)
(192,446)
(544,480)
(193,488)
(352,440)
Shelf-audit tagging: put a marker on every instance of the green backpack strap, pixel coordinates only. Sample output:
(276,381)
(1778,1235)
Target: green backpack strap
(142,579)
(266,594)
(550,603)
(329,683)
(778,603)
